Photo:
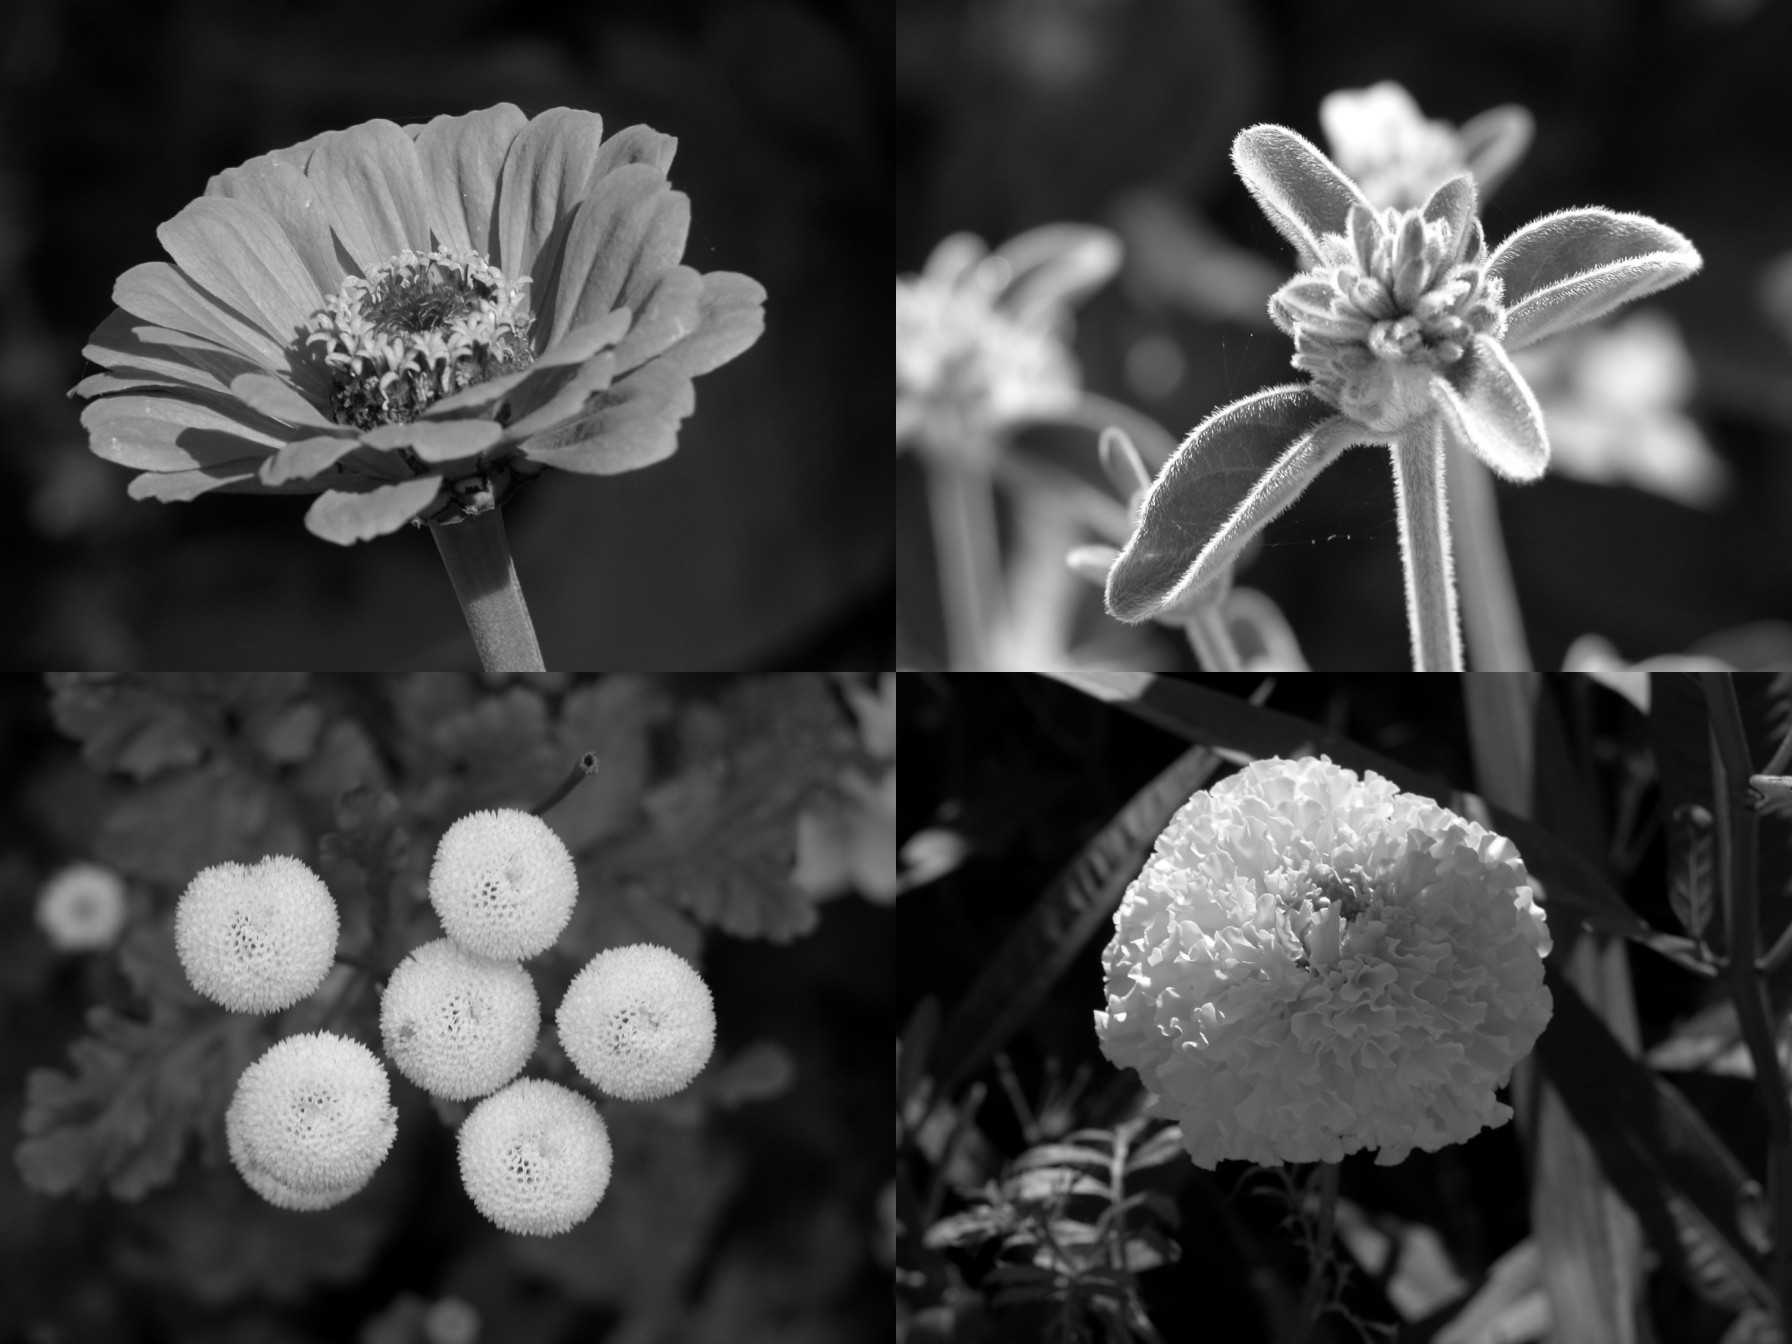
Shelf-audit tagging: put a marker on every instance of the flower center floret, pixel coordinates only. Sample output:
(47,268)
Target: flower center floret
(1394,298)
(416,329)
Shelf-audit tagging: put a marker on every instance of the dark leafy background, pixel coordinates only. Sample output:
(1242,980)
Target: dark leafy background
(741,1210)
(763,542)
(1014,115)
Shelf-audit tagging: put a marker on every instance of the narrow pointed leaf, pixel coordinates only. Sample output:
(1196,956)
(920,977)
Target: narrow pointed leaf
(1303,192)
(1454,202)
(1236,471)
(1494,142)
(1576,265)
(1490,409)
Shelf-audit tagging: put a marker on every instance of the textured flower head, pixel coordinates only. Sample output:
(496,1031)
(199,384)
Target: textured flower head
(81,908)
(406,320)
(256,937)
(980,336)
(535,1158)
(638,1021)
(311,1120)
(457,1025)
(1313,963)
(503,884)
(1398,156)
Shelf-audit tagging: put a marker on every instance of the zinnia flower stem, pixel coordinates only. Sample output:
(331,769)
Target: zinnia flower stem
(1490,616)
(477,555)
(1319,1257)
(1425,550)
(1211,639)
(963,505)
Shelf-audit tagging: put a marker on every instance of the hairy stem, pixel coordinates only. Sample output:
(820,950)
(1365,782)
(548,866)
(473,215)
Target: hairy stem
(477,556)
(963,507)
(1490,616)
(1425,551)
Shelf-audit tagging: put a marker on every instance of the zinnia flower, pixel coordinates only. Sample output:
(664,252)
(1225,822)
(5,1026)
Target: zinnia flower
(1405,322)
(1313,963)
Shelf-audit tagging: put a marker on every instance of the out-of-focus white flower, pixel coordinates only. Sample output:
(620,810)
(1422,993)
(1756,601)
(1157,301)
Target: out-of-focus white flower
(81,908)
(535,1158)
(458,1025)
(1313,963)
(256,937)
(450,1320)
(503,884)
(1611,399)
(1398,156)
(981,336)
(311,1120)
(850,844)
(638,1021)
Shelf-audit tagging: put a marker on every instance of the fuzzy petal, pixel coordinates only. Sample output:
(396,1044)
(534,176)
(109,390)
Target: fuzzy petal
(1053,266)
(437,440)
(302,459)
(462,157)
(673,311)
(236,251)
(1235,472)
(634,144)
(371,180)
(292,201)
(345,517)
(1300,190)
(275,398)
(1489,407)
(632,424)
(544,175)
(731,316)
(1494,142)
(172,432)
(1575,265)
(623,237)
(160,294)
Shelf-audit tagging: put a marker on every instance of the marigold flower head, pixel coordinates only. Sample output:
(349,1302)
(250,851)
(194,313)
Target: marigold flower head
(404,320)
(503,884)
(458,1025)
(535,1158)
(256,937)
(311,1120)
(1313,963)
(81,908)
(638,1021)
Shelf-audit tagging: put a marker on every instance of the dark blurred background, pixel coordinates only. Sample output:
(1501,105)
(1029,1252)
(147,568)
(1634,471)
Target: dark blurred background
(114,114)
(1014,113)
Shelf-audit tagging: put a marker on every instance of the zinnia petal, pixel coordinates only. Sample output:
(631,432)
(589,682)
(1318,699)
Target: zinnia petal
(180,487)
(672,311)
(304,458)
(275,398)
(159,293)
(372,182)
(634,144)
(544,176)
(623,237)
(346,517)
(173,433)
(236,251)
(292,200)
(730,317)
(462,157)
(124,340)
(631,424)
(437,441)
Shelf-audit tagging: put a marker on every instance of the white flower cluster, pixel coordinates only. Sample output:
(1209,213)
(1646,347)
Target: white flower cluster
(1313,963)
(638,1021)
(503,884)
(535,1158)
(256,937)
(458,1025)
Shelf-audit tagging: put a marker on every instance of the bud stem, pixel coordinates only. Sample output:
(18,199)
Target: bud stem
(477,557)
(1425,549)
(1490,616)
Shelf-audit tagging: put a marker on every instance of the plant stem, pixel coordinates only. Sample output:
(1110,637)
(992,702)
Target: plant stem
(477,556)
(963,506)
(1211,638)
(1425,551)
(1490,616)
(1313,1298)
(582,769)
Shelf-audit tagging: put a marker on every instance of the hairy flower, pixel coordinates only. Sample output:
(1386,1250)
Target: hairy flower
(458,1025)
(503,884)
(256,937)
(980,336)
(404,321)
(81,908)
(638,1021)
(1405,322)
(1313,963)
(311,1120)
(535,1158)
(1399,157)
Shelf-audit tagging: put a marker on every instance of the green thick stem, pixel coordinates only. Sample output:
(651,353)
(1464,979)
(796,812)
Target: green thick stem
(1425,551)
(1490,616)
(479,566)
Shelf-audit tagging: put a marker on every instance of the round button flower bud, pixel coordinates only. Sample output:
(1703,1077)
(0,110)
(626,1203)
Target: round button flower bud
(638,1021)
(82,908)
(256,937)
(535,1158)
(1313,963)
(457,1025)
(311,1120)
(503,884)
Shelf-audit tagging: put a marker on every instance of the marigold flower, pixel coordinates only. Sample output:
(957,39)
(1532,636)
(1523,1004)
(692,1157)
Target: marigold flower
(311,1120)
(1313,963)
(405,320)
(638,1021)
(458,1025)
(256,937)
(503,884)
(81,908)
(535,1158)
